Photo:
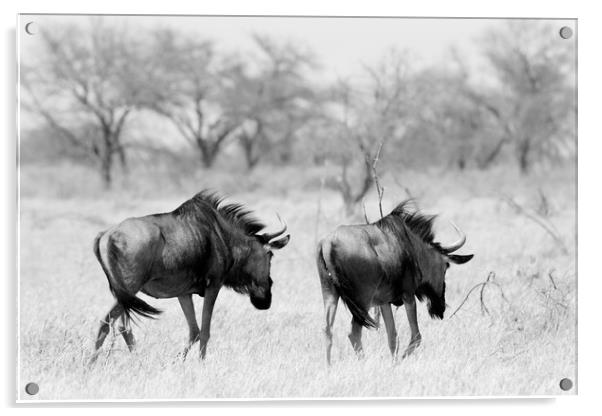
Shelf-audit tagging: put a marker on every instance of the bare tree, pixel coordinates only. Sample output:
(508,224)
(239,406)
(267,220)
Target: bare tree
(85,86)
(445,125)
(187,80)
(270,95)
(534,104)
(365,118)
(523,105)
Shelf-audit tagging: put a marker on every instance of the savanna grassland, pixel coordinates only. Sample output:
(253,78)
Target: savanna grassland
(523,344)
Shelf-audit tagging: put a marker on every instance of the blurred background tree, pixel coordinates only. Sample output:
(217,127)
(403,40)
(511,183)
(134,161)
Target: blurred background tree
(366,115)
(85,88)
(533,102)
(268,104)
(187,82)
(270,96)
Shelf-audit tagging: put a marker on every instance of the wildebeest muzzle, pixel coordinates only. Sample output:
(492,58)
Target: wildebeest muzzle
(262,302)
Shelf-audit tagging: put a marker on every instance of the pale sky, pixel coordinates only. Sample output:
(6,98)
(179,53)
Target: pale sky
(341,44)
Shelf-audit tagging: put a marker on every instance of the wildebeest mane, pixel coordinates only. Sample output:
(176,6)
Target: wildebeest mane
(235,214)
(403,218)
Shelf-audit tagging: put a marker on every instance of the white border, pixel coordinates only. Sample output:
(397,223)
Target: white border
(589,154)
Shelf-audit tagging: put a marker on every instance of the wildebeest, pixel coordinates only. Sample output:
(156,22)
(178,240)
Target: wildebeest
(390,261)
(199,247)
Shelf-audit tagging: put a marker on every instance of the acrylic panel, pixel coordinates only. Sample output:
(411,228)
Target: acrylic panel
(231,207)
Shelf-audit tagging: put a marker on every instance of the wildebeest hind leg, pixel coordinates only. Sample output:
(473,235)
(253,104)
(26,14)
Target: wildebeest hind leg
(331,300)
(415,338)
(193,329)
(105,327)
(329,294)
(356,337)
(126,332)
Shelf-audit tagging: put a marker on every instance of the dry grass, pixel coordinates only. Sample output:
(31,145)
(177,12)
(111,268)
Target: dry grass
(525,346)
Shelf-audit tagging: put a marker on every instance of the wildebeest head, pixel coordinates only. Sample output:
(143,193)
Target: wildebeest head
(242,248)
(432,274)
(426,260)
(257,265)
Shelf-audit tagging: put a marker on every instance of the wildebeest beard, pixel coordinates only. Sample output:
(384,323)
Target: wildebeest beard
(436,302)
(243,284)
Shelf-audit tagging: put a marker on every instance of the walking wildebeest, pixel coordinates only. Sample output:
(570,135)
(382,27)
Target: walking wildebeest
(196,249)
(390,261)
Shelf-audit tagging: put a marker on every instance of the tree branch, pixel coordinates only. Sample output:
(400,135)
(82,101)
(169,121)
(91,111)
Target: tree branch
(54,123)
(379,189)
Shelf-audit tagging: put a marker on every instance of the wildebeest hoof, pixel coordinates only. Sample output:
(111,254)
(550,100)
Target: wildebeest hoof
(415,343)
(180,357)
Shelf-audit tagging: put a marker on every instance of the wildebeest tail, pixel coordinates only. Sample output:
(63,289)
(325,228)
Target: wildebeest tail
(130,303)
(344,286)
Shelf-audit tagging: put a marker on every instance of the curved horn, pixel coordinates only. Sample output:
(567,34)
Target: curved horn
(269,236)
(456,245)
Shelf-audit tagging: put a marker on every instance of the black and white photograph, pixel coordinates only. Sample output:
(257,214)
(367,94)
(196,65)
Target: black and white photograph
(295,207)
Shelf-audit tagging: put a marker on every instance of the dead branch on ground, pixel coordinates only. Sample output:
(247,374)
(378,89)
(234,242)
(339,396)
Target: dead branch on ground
(489,281)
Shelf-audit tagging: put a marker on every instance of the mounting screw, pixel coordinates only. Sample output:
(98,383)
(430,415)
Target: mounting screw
(566,32)
(566,384)
(31,28)
(32,389)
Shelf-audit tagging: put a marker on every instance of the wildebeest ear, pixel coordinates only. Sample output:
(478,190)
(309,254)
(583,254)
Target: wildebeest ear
(278,244)
(459,259)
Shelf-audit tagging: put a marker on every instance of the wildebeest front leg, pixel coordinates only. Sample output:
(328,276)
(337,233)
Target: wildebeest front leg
(356,337)
(105,328)
(193,328)
(410,305)
(387,314)
(208,303)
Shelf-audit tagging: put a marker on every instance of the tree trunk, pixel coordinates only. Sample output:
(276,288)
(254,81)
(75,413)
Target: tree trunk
(248,145)
(251,163)
(493,154)
(123,159)
(286,155)
(208,151)
(106,167)
(208,156)
(286,152)
(106,160)
(524,153)
(349,206)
